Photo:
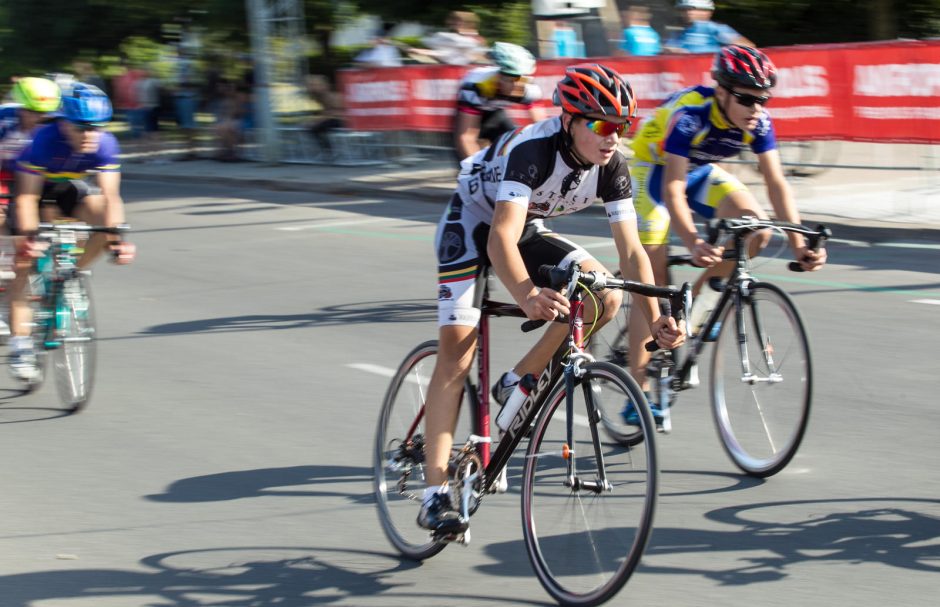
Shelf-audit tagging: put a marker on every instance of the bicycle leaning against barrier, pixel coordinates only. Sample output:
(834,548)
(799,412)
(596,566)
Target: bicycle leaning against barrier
(761,373)
(587,501)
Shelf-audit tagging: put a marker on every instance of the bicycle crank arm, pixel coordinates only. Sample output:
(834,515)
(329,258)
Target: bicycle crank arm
(576,484)
(775,378)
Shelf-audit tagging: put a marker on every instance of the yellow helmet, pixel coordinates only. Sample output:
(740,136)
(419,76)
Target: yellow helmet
(37,94)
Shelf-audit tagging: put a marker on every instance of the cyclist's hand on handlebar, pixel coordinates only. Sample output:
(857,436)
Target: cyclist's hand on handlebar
(545,304)
(809,259)
(122,252)
(705,255)
(668,333)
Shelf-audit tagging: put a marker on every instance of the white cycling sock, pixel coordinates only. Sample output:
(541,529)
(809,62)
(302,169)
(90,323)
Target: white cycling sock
(430,491)
(510,378)
(20,342)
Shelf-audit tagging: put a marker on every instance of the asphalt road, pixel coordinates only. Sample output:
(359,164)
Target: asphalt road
(225,457)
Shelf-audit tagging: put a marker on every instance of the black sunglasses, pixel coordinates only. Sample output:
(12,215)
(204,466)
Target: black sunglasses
(748,100)
(84,126)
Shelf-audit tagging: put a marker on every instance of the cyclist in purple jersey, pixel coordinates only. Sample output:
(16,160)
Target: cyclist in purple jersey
(53,169)
(551,168)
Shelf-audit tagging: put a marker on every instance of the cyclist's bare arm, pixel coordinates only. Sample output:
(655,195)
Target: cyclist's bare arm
(468,134)
(635,266)
(674,184)
(503,250)
(29,188)
(110,184)
(781,198)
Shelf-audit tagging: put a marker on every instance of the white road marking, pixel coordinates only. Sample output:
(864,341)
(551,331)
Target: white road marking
(377,369)
(932,302)
(354,222)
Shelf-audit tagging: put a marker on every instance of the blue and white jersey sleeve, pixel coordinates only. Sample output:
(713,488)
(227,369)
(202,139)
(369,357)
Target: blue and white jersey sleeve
(684,130)
(765,139)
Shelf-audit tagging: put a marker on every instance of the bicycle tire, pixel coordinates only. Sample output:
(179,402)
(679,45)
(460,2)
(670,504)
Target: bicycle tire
(759,426)
(584,545)
(73,361)
(398,508)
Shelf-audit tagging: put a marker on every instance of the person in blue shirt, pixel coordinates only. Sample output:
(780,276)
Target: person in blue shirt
(53,168)
(639,39)
(702,35)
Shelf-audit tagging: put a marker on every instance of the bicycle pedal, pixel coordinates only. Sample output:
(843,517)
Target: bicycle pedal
(452,538)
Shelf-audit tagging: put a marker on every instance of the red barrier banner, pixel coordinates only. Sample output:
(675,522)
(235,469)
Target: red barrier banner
(882,92)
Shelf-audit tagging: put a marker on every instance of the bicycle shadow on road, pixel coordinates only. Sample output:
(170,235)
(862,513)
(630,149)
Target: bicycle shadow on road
(319,481)
(15,410)
(898,532)
(238,576)
(388,311)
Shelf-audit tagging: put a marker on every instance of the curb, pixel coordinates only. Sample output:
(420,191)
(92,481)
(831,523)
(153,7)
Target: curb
(850,228)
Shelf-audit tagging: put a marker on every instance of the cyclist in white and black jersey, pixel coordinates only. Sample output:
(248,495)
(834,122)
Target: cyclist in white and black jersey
(554,167)
(486,92)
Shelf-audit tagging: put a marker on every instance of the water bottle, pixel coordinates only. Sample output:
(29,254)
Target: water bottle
(515,400)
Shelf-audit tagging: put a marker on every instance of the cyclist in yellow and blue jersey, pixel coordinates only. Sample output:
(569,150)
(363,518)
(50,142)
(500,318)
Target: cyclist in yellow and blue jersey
(674,173)
(53,168)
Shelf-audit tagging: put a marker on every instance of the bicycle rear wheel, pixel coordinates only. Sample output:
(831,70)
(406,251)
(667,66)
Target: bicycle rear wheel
(585,538)
(73,361)
(398,457)
(761,381)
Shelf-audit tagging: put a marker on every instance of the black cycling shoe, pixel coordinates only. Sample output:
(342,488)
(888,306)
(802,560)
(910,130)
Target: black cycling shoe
(438,515)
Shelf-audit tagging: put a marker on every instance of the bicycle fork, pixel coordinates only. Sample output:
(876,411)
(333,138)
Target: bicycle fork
(573,480)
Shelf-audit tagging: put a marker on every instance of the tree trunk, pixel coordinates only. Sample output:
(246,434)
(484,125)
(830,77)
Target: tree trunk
(883,21)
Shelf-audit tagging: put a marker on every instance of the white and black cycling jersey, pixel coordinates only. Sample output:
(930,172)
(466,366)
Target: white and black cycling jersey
(533,167)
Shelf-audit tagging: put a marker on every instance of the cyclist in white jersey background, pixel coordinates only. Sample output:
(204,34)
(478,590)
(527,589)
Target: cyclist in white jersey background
(486,92)
(554,167)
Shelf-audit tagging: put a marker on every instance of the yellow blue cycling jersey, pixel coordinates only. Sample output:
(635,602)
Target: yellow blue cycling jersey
(690,124)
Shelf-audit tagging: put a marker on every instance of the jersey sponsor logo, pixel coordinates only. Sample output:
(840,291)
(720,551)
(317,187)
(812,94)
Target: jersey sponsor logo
(689,125)
(444,293)
(452,246)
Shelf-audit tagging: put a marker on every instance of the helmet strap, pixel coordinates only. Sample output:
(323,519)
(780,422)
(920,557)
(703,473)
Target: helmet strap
(569,143)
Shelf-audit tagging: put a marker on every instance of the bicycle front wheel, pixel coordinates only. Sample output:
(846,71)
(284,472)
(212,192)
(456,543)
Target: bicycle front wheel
(398,457)
(761,381)
(586,527)
(73,360)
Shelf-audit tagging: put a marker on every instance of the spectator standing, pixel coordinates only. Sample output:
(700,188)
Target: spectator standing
(461,44)
(148,110)
(125,99)
(186,100)
(701,34)
(383,53)
(639,38)
(330,116)
(566,39)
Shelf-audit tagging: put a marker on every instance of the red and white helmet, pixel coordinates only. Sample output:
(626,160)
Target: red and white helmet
(591,88)
(745,67)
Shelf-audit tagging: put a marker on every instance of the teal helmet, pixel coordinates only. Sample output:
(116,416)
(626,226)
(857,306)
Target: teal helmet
(512,59)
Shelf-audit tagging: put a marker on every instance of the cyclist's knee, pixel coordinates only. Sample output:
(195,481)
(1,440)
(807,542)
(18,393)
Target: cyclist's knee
(609,304)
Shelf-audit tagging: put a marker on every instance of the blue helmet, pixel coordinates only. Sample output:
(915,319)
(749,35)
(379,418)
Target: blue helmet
(86,104)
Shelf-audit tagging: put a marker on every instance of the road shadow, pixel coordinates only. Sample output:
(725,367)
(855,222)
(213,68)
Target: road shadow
(250,576)
(318,481)
(14,408)
(895,532)
(399,311)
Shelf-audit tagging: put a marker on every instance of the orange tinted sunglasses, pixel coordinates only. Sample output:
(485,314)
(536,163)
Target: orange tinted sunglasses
(605,128)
